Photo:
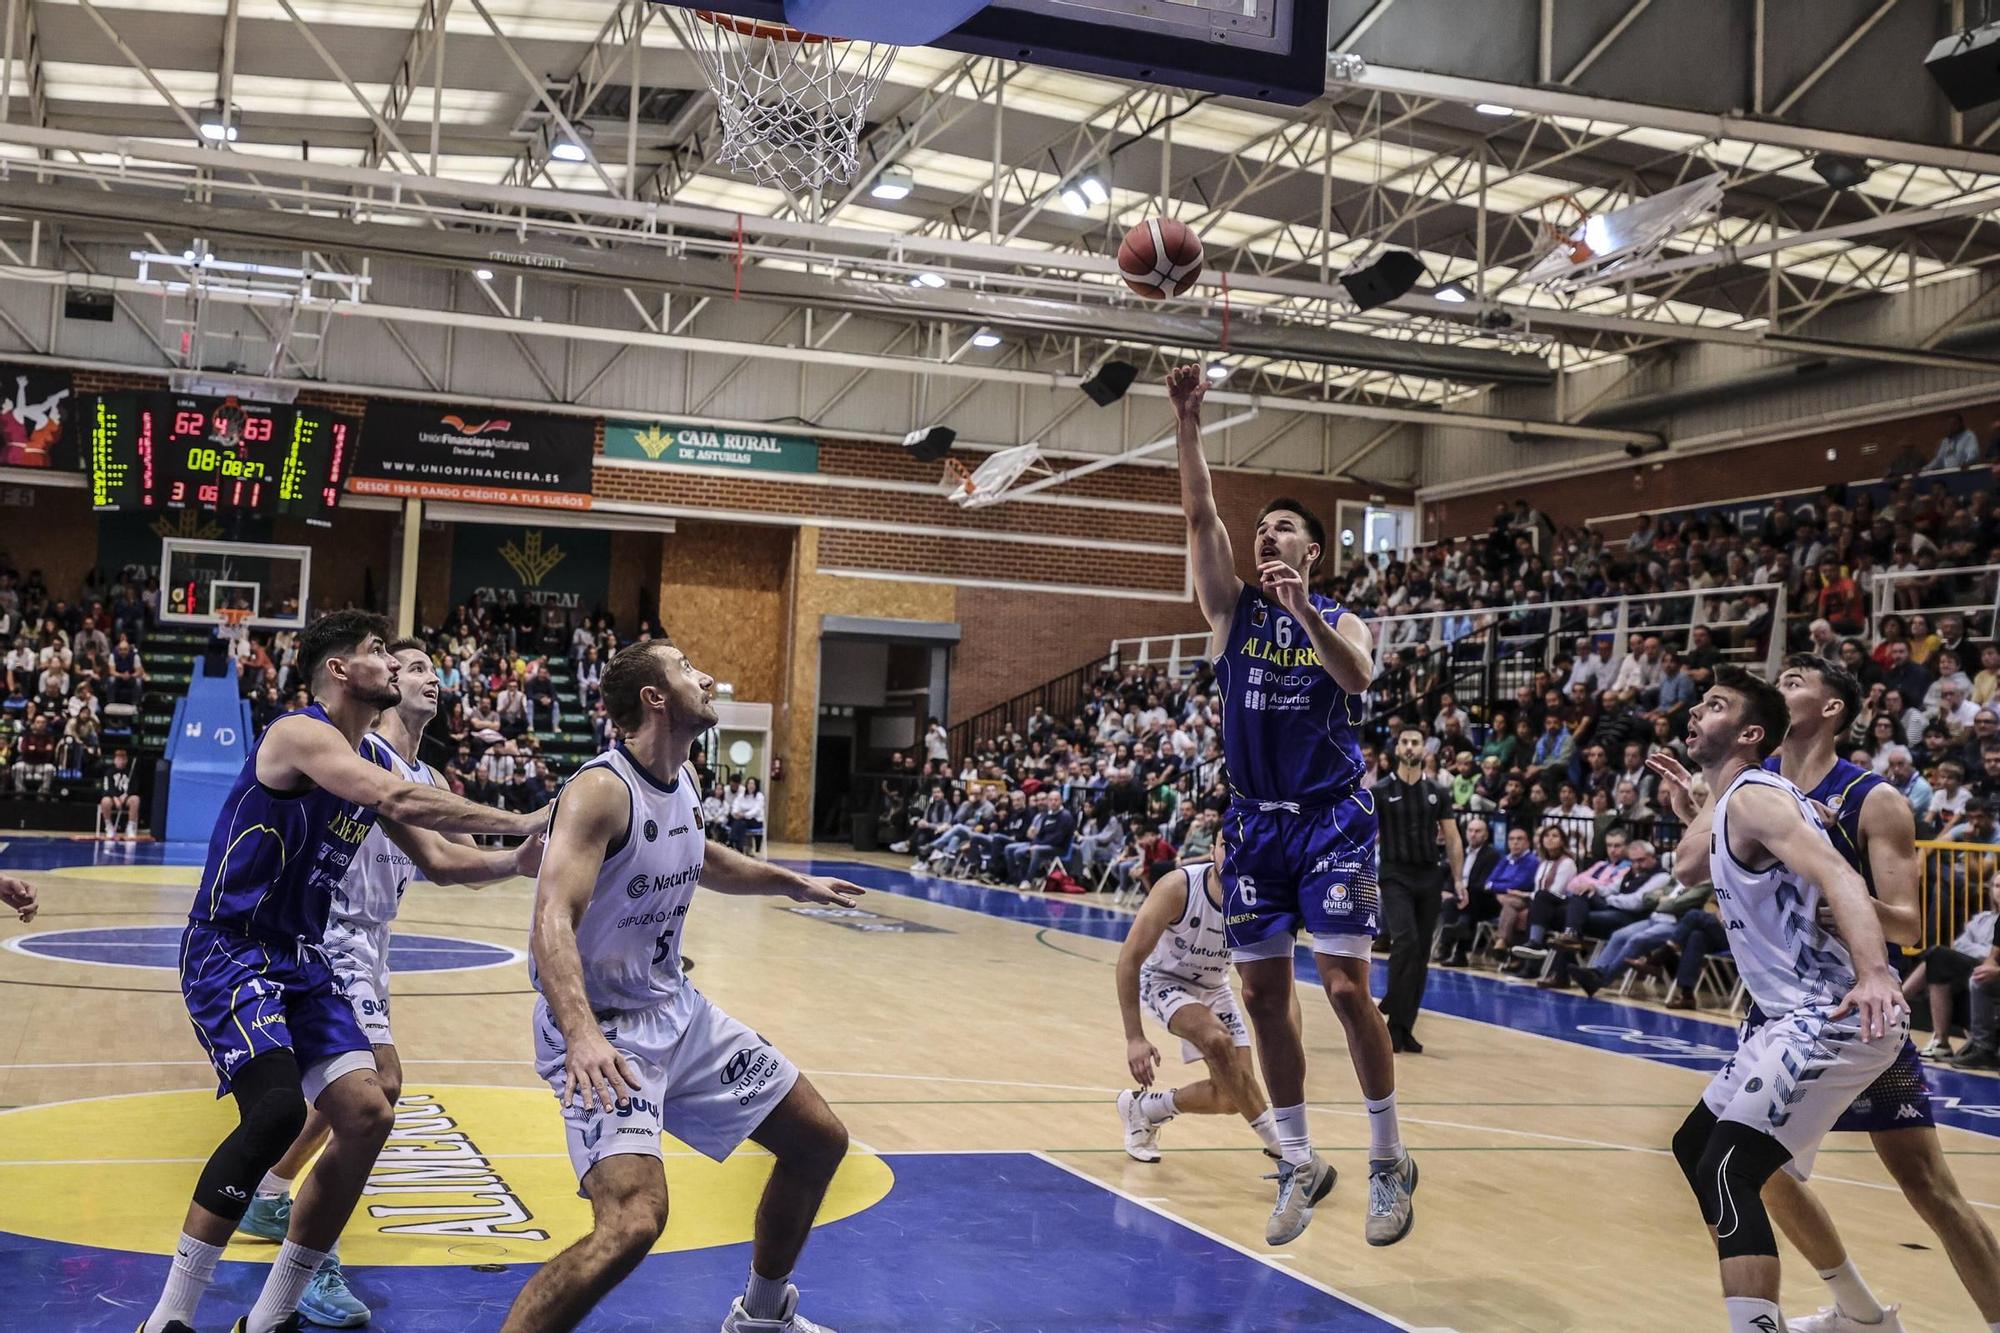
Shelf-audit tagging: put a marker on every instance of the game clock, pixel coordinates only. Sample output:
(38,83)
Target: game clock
(158,451)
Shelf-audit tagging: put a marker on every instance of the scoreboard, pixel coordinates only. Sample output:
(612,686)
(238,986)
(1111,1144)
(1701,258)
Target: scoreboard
(159,451)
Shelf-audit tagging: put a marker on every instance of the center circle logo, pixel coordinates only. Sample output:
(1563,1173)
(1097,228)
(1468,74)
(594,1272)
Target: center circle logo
(469,1175)
(160,947)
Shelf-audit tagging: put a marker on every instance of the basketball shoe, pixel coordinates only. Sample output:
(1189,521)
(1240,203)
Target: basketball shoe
(1300,1188)
(788,1321)
(1390,1210)
(329,1301)
(1142,1136)
(268,1217)
(1831,1320)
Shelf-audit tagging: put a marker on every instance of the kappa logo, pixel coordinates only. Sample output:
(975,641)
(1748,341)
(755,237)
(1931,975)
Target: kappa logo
(464,427)
(1908,1111)
(652,835)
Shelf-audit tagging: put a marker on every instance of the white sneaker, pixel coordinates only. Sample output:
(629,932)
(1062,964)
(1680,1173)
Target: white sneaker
(1300,1188)
(1391,1212)
(791,1321)
(1142,1136)
(1831,1320)
(1938,1049)
(900,848)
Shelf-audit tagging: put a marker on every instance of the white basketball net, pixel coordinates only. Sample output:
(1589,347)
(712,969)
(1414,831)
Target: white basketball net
(989,482)
(792,105)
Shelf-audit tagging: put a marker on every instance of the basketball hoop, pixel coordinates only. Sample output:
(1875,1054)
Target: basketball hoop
(232,625)
(987,484)
(792,104)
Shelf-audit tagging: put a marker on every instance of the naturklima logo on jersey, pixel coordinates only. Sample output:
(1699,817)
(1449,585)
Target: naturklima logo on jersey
(641,885)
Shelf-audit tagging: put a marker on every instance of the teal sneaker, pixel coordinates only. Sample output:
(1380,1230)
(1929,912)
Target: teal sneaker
(329,1301)
(267,1218)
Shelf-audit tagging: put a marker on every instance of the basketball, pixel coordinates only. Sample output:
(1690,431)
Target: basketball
(1160,258)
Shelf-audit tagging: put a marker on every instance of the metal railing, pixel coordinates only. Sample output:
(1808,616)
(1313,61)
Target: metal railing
(1975,589)
(1487,655)
(1957,880)
(1179,653)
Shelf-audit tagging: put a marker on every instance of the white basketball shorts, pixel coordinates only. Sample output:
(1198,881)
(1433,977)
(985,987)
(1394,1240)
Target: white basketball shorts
(1164,996)
(1796,1075)
(704,1078)
(358,953)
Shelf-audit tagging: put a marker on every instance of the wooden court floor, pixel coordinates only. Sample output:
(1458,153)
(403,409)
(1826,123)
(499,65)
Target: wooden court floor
(977,1026)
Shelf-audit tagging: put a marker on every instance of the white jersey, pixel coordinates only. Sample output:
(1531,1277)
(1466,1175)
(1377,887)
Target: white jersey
(630,936)
(380,871)
(1786,959)
(1195,948)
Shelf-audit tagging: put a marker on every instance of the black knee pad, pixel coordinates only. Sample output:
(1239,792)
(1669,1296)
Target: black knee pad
(1729,1181)
(1691,1141)
(272,1106)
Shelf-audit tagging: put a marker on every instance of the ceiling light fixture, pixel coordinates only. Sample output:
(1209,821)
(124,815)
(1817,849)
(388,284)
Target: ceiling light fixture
(1451,294)
(218,126)
(1495,109)
(932,280)
(483,274)
(1218,372)
(986,338)
(894,183)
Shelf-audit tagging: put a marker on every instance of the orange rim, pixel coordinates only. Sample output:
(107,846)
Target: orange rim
(771,32)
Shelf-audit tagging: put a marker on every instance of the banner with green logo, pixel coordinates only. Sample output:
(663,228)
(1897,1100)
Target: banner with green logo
(565,568)
(707,446)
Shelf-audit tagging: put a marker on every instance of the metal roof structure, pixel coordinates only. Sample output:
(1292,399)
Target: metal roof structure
(405,153)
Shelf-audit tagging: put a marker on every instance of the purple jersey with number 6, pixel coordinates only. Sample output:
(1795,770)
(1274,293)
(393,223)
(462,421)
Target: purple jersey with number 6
(1288,730)
(1299,838)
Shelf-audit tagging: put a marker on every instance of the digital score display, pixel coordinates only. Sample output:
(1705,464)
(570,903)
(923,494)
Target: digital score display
(154,451)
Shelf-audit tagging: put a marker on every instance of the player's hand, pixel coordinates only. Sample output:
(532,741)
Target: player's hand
(1464,898)
(1878,1002)
(536,822)
(1677,783)
(1986,973)
(1142,1058)
(598,1075)
(1186,387)
(826,892)
(19,895)
(528,856)
(1282,584)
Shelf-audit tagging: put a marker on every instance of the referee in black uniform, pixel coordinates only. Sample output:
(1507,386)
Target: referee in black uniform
(1420,857)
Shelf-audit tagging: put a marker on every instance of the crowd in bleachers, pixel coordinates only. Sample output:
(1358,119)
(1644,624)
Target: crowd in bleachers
(1538,719)
(71,681)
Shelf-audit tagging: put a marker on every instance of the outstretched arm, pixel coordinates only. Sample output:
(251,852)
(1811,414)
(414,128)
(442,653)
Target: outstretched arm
(1162,907)
(1216,587)
(299,747)
(1769,823)
(727,871)
(445,860)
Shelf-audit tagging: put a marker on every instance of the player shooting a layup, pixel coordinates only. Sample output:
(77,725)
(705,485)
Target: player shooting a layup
(1291,668)
(628,1045)
(1872,828)
(259,990)
(1836,1018)
(357,948)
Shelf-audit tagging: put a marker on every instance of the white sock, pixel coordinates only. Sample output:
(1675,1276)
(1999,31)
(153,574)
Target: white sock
(1294,1144)
(273,1186)
(1385,1136)
(764,1298)
(1851,1295)
(1747,1314)
(1158,1107)
(1266,1127)
(290,1273)
(187,1281)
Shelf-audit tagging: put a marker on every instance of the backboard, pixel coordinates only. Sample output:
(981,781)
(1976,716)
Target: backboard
(200,580)
(1266,50)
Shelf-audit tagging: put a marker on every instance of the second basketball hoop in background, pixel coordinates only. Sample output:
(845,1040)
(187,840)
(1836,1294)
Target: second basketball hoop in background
(1160,258)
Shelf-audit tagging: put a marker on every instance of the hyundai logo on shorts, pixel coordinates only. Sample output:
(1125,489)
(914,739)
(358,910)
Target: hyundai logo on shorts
(738,1064)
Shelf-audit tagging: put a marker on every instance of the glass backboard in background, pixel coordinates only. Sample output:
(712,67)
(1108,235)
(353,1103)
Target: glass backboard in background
(201,579)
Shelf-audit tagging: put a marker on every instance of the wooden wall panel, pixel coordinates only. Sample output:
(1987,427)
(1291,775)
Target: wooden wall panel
(722,591)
